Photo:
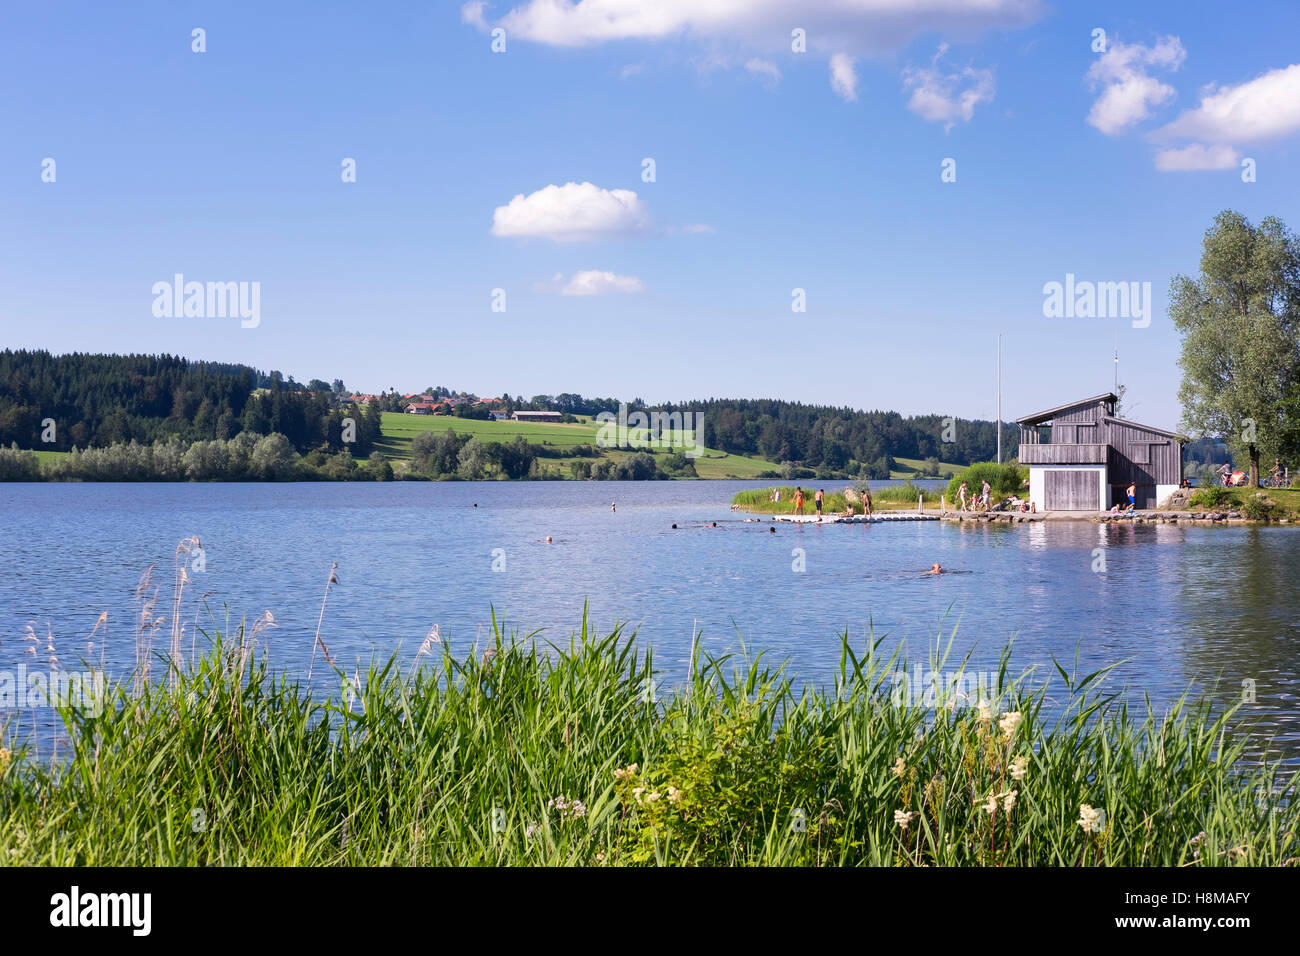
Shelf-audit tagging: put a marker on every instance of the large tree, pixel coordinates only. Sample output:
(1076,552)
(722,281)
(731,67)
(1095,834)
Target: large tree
(1240,324)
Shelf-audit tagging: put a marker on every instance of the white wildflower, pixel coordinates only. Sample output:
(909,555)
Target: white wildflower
(1091,820)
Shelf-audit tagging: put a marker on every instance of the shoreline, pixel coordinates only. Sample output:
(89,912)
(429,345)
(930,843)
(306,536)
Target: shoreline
(1220,518)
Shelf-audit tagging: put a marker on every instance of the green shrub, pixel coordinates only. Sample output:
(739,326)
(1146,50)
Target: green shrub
(1006,479)
(1258,508)
(16,465)
(1213,496)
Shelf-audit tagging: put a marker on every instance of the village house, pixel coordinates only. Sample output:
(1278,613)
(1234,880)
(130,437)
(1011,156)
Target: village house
(536,416)
(1082,457)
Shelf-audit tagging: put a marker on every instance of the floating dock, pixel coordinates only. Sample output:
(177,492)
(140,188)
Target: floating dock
(857,519)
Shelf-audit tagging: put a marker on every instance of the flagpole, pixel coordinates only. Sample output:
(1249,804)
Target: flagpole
(999,398)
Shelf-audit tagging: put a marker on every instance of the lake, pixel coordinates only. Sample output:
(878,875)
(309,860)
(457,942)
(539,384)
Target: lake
(1178,605)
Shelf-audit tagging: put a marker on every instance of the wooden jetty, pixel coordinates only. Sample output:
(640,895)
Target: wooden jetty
(857,519)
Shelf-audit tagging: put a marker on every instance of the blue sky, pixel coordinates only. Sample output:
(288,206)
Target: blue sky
(774,170)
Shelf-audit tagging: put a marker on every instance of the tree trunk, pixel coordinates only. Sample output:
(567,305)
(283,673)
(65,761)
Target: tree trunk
(1254,466)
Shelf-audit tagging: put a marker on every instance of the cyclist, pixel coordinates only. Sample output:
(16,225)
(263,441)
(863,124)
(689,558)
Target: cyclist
(1277,477)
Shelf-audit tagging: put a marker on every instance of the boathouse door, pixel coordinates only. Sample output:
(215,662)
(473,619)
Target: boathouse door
(1072,490)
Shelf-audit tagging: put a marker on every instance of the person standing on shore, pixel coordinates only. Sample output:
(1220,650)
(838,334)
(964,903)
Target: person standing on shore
(798,500)
(984,495)
(1132,496)
(817,500)
(961,495)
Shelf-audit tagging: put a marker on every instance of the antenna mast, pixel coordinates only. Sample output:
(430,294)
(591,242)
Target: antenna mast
(1116,363)
(999,398)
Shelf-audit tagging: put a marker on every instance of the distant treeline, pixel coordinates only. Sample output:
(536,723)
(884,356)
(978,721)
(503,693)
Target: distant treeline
(60,402)
(841,439)
(436,456)
(95,401)
(246,457)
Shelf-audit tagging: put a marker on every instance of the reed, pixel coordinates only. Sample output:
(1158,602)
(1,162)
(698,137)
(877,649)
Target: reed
(520,752)
(885,498)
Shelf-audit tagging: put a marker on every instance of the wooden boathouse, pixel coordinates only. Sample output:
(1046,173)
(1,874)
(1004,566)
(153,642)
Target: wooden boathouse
(1081,457)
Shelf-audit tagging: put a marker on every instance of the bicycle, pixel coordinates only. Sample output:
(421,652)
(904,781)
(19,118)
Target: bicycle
(1276,481)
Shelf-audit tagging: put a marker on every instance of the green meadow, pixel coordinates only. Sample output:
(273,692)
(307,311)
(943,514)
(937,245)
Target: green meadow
(908,467)
(400,429)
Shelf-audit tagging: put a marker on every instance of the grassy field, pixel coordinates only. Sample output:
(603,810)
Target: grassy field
(1262,503)
(511,754)
(909,466)
(400,429)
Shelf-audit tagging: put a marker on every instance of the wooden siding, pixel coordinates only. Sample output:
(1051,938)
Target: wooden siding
(1143,456)
(1091,454)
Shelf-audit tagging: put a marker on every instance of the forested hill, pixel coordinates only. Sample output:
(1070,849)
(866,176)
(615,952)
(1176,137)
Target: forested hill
(99,400)
(833,438)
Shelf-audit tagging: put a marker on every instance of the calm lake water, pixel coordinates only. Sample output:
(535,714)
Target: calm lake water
(1177,605)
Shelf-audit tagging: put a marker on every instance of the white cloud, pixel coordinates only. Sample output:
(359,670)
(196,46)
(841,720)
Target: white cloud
(472,13)
(764,68)
(844,79)
(947,97)
(698,229)
(1197,157)
(836,30)
(859,26)
(596,282)
(632,69)
(1267,107)
(574,212)
(1129,91)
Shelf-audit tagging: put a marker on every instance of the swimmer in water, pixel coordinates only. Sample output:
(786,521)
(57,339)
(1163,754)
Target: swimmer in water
(548,539)
(772,530)
(934,569)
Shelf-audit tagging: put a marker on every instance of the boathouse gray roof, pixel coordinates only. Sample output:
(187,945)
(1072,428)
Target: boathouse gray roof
(1039,417)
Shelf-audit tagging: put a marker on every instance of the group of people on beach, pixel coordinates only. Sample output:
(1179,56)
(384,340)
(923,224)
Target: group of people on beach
(819,501)
(979,501)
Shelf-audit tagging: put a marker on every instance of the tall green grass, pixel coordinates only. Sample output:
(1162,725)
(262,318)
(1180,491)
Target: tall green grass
(886,497)
(521,753)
